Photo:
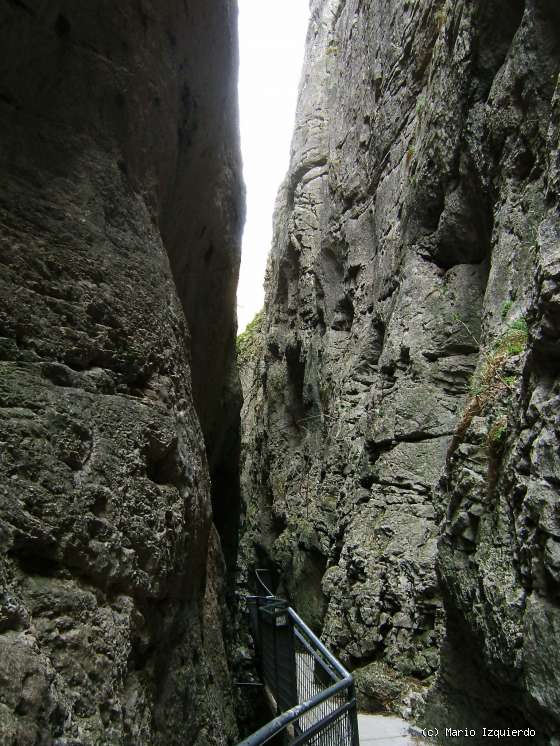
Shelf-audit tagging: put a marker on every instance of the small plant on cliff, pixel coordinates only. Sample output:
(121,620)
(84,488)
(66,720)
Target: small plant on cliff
(510,380)
(515,339)
(246,343)
(409,154)
(497,433)
(506,308)
(489,382)
(420,104)
(440,16)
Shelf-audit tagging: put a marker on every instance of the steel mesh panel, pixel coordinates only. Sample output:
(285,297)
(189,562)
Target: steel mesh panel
(336,733)
(297,669)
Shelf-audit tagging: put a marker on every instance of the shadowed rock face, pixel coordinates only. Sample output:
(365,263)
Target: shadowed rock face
(405,394)
(120,210)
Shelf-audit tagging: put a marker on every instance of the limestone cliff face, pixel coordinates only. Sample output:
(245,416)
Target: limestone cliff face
(120,209)
(407,392)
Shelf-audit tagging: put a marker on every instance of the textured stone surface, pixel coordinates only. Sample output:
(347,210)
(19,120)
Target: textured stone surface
(416,244)
(120,207)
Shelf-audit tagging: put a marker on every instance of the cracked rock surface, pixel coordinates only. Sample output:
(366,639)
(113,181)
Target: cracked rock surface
(120,207)
(400,440)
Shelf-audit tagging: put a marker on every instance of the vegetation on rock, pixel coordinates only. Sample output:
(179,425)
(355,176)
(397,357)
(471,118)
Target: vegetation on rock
(247,343)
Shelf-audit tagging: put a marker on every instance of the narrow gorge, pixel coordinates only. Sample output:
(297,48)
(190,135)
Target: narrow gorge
(383,439)
(400,462)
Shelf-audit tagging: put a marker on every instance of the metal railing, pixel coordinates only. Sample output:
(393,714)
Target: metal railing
(312,692)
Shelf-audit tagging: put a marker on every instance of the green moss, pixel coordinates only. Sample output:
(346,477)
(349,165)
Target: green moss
(306,535)
(246,342)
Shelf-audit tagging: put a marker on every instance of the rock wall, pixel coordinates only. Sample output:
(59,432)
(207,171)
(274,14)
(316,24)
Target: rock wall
(120,212)
(406,391)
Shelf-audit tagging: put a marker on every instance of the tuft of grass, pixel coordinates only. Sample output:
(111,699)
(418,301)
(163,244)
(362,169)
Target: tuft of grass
(489,383)
(489,378)
(520,325)
(486,382)
(506,308)
(514,341)
(497,433)
(510,381)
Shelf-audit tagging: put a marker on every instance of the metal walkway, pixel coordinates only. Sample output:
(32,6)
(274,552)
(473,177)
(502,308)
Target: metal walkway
(312,692)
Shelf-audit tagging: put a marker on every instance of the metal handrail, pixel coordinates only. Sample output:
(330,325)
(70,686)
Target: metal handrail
(281,722)
(278,632)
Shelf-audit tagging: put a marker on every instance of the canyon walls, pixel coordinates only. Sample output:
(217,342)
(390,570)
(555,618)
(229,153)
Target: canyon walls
(400,465)
(120,213)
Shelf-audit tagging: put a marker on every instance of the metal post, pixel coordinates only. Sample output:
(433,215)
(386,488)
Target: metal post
(353,716)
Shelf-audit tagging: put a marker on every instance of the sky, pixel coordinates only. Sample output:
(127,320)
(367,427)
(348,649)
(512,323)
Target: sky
(271,46)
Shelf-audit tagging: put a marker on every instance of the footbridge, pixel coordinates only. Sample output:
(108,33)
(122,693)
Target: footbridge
(312,694)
